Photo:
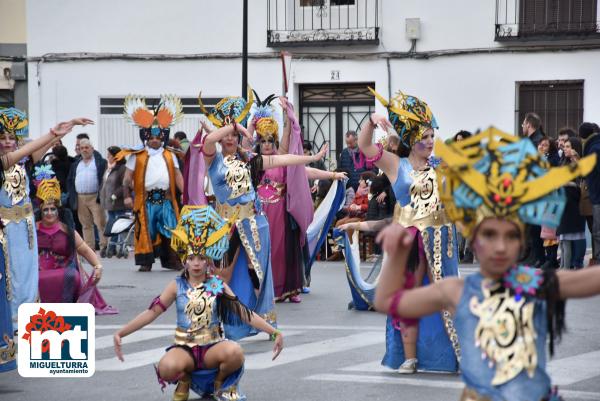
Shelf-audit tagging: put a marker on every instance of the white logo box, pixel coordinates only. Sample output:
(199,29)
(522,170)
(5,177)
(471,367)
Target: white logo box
(78,362)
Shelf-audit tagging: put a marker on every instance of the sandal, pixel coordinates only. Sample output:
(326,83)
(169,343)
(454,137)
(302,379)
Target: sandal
(182,395)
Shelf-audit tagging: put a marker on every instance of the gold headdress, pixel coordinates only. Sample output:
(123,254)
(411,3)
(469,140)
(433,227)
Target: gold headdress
(156,121)
(228,110)
(409,115)
(48,187)
(494,174)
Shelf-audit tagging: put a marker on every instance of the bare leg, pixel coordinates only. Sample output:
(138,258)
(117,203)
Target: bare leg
(410,334)
(227,356)
(174,365)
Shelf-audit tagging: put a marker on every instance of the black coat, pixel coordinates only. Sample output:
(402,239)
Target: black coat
(101,165)
(536,137)
(592,145)
(572,221)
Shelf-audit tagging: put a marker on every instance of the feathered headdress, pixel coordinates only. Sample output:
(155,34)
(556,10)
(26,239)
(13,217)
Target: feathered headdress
(48,187)
(494,174)
(228,110)
(409,115)
(155,121)
(201,231)
(265,115)
(14,121)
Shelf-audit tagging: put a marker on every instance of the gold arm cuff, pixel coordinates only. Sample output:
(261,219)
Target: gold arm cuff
(204,336)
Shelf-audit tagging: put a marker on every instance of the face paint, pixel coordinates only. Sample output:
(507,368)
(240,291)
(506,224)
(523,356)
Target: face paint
(419,146)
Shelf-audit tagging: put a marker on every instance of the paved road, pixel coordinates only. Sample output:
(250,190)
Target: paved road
(331,353)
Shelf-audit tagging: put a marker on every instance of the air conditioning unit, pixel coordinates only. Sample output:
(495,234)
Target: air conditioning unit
(19,71)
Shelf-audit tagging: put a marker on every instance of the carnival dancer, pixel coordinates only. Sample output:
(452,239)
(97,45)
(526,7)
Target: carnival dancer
(284,193)
(18,247)
(495,183)
(234,175)
(153,173)
(432,345)
(201,357)
(60,278)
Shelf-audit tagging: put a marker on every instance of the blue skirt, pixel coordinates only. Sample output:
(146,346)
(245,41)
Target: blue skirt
(7,345)
(437,342)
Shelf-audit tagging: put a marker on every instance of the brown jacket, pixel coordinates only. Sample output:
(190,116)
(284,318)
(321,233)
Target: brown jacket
(113,184)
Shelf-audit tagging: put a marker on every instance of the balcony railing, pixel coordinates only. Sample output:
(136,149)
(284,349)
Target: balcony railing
(322,22)
(546,19)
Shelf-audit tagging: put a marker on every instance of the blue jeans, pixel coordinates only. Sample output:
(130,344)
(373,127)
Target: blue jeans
(573,253)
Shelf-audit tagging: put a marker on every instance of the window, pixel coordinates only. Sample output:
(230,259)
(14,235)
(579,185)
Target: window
(557,16)
(558,103)
(7,98)
(321,3)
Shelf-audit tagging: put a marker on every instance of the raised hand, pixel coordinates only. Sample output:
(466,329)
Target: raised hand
(321,153)
(381,121)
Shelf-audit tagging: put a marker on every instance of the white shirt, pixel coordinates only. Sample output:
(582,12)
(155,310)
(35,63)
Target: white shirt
(86,177)
(157,173)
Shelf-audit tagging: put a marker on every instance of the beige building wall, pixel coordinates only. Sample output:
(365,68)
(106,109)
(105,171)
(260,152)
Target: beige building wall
(13,28)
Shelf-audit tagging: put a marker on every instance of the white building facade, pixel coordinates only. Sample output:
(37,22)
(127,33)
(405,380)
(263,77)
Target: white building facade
(475,62)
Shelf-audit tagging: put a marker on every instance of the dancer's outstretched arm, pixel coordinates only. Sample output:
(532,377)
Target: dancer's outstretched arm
(579,284)
(367,226)
(260,324)
(396,241)
(273,161)
(284,144)
(316,174)
(146,317)
(60,130)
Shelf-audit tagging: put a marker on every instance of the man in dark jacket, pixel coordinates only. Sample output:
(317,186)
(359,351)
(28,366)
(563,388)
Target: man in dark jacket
(532,128)
(84,183)
(590,134)
(352,160)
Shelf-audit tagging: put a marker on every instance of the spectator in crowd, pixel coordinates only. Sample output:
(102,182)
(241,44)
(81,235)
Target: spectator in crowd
(535,254)
(590,134)
(462,134)
(393,141)
(184,143)
(111,196)
(465,254)
(78,139)
(532,128)
(352,159)
(83,183)
(571,230)
(61,165)
(548,148)
(564,134)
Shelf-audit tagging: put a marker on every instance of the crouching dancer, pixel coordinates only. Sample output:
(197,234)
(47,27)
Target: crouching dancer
(201,358)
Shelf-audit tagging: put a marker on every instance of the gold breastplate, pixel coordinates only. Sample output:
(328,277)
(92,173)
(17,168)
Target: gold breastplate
(15,183)
(425,207)
(199,307)
(237,176)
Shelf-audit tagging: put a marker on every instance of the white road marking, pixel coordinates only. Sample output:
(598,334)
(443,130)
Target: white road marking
(573,369)
(142,335)
(312,350)
(151,356)
(447,384)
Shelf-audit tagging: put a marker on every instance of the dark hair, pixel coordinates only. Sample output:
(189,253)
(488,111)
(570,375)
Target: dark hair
(368,175)
(113,150)
(60,152)
(463,133)
(83,135)
(351,133)
(576,144)
(306,145)
(379,184)
(534,120)
(587,129)
(567,131)
(65,216)
(552,147)
(180,135)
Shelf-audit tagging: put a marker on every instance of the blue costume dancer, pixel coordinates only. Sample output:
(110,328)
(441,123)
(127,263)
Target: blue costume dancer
(201,358)
(491,185)
(419,207)
(16,211)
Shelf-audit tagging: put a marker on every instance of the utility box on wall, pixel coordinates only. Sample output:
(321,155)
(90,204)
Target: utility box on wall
(413,28)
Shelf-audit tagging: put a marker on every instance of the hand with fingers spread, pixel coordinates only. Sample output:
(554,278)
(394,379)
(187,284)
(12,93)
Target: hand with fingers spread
(63,128)
(381,197)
